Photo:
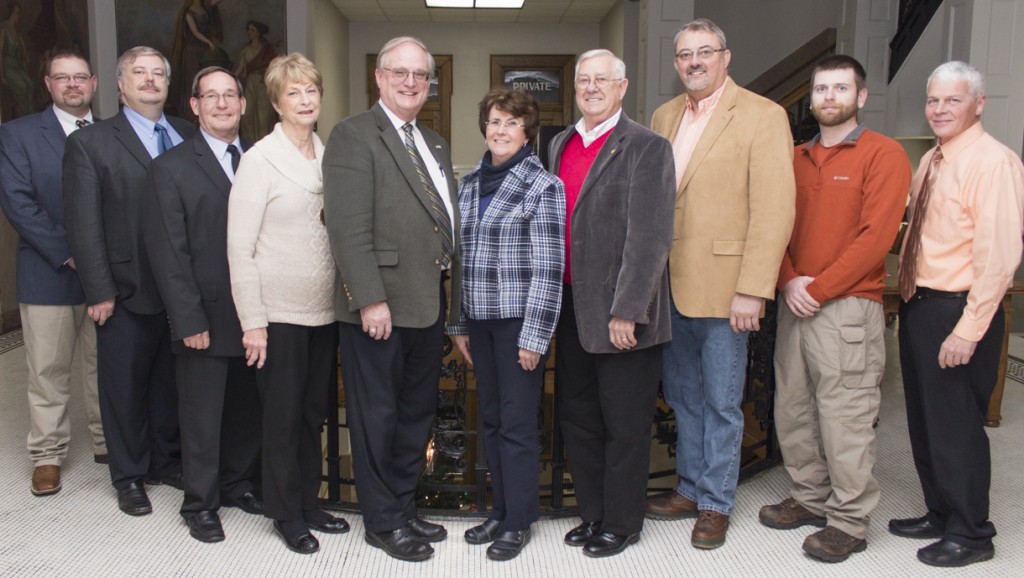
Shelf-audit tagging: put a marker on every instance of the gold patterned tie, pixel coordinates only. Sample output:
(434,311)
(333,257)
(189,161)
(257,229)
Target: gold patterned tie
(438,209)
(912,244)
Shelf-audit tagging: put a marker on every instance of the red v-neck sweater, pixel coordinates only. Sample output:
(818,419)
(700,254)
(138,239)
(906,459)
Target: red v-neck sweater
(573,168)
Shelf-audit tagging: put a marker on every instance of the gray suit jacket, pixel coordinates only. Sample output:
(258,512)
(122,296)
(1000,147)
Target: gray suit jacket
(621,232)
(378,218)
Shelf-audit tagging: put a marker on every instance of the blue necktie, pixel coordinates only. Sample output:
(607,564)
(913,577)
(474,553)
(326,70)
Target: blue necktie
(163,141)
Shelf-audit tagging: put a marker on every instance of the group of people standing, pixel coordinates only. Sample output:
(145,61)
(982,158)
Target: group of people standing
(223,276)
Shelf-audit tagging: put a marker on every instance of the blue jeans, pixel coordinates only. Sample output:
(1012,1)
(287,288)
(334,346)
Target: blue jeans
(704,371)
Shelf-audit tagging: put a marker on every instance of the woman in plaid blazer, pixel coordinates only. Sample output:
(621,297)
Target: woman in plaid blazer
(512,244)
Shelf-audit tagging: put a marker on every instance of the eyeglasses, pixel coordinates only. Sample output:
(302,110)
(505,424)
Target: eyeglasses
(401,74)
(600,82)
(212,98)
(511,124)
(64,78)
(704,53)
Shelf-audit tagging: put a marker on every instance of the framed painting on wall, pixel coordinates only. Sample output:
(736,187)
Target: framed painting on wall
(31,31)
(240,35)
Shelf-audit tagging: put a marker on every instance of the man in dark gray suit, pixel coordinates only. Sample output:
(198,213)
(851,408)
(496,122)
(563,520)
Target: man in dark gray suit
(187,219)
(391,214)
(620,190)
(50,295)
(104,187)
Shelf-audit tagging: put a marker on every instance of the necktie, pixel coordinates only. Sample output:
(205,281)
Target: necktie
(440,213)
(235,157)
(80,123)
(163,141)
(912,244)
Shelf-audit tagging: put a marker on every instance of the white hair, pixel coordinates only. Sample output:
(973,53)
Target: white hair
(618,66)
(956,71)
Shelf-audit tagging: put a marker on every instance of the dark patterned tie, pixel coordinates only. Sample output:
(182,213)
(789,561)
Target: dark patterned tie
(912,244)
(437,206)
(235,157)
(163,141)
(82,123)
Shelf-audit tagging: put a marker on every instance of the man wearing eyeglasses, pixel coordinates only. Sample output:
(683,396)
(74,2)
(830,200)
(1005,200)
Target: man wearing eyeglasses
(186,216)
(615,314)
(391,213)
(104,185)
(52,304)
(734,211)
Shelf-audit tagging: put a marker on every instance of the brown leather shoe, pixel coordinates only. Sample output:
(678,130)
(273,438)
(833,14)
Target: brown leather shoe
(709,531)
(788,515)
(45,480)
(833,544)
(670,506)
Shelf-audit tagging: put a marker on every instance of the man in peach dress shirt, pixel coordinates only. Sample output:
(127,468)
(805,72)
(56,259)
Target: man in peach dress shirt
(952,319)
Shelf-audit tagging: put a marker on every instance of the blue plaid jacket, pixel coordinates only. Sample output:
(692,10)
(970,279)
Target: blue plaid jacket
(512,258)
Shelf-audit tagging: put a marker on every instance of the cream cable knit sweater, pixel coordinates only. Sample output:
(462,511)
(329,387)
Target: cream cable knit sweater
(281,266)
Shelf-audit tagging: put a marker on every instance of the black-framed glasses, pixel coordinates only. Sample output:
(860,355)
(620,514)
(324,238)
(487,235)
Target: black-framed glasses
(703,53)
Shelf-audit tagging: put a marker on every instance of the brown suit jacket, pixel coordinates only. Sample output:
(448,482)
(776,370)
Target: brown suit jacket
(735,206)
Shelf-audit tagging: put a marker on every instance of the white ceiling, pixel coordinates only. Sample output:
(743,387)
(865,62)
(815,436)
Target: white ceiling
(579,11)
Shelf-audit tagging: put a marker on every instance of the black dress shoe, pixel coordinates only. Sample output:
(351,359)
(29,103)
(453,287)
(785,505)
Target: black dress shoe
(508,544)
(581,534)
(174,480)
(426,531)
(922,527)
(483,533)
(133,499)
(297,537)
(101,458)
(247,502)
(204,526)
(324,522)
(401,544)
(949,554)
(608,544)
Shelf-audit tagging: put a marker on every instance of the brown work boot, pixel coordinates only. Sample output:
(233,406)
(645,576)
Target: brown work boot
(833,544)
(46,480)
(709,531)
(670,506)
(788,515)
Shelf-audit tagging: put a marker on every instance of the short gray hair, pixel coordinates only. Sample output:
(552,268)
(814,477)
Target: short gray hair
(131,54)
(618,66)
(701,24)
(382,56)
(957,71)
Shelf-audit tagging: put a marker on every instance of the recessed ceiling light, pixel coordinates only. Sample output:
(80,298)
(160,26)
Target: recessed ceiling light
(474,3)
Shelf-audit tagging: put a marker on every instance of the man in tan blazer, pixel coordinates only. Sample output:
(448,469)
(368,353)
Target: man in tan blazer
(734,213)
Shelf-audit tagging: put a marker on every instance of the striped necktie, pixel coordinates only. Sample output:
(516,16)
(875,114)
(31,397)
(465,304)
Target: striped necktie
(438,209)
(912,243)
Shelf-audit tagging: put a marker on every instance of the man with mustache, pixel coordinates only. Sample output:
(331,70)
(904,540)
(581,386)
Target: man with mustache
(104,187)
(733,216)
(50,295)
(851,190)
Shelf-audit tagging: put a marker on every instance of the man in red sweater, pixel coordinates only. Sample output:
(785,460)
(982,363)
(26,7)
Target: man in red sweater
(852,187)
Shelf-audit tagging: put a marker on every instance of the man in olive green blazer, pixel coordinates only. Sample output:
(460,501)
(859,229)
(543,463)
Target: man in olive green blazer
(735,205)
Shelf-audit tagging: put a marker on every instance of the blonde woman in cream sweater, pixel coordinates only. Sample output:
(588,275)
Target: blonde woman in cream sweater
(282,280)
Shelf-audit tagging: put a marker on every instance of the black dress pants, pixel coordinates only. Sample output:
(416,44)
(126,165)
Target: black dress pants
(508,397)
(138,402)
(391,399)
(301,365)
(946,416)
(219,411)
(606,407)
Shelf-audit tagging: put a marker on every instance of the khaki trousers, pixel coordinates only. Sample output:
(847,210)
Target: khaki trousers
(828,368)
(60,348)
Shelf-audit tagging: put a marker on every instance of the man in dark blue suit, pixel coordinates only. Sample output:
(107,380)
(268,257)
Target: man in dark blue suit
(104,187)
(50,295)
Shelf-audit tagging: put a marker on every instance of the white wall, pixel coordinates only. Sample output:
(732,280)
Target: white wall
(763,32)
(471,46)
(329,50)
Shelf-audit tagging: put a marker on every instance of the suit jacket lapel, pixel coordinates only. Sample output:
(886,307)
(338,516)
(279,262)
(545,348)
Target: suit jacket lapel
(53,132)
(609,151)
(720,119)
(210,165)
(124,132)
(396,145)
